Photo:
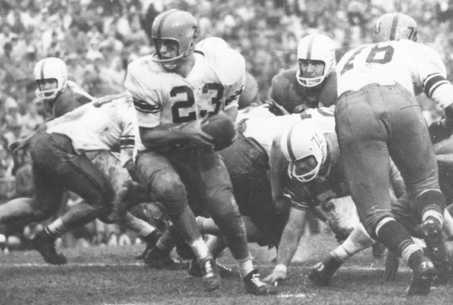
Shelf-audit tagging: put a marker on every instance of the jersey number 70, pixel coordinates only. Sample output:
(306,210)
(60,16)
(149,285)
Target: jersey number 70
(187,102)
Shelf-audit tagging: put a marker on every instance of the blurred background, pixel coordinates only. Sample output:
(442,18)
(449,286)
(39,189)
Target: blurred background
(97,39)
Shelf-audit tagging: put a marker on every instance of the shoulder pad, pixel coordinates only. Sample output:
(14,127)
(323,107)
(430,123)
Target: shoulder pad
(143,75)
(228,64)
(329,92)
(280,88)
(282,80)
(78,90)
(144,65)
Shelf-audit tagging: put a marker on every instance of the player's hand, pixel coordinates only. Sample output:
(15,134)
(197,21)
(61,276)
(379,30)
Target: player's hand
(440,130)
(392,262)
(278,274)
(18,145)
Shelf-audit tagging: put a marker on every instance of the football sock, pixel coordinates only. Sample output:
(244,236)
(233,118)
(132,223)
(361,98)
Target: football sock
(245,266)
(55,228)
(433,214)
(200,248)
(396,238)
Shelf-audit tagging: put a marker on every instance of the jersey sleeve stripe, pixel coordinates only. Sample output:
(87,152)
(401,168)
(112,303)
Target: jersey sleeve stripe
(127,142)
(437,85)
(432,82)
(145,107)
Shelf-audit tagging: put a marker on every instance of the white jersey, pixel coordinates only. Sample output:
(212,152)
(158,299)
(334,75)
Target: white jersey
(214,83)
(410,64)
(102,127)
(264,128)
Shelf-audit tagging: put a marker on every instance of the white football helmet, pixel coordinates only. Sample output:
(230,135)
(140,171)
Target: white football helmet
(316,47)
(50,68)
(305,147)
(395,26)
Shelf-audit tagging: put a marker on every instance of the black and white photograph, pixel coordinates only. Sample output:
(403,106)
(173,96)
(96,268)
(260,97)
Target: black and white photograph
(201,152)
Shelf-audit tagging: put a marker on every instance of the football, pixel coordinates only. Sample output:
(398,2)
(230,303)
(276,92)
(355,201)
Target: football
(221,128)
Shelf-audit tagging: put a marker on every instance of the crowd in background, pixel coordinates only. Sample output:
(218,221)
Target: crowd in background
(97,39)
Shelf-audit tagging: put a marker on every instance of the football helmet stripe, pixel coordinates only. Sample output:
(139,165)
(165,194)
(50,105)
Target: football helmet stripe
(310,47)
(394,27)
(161,22)
(289,146)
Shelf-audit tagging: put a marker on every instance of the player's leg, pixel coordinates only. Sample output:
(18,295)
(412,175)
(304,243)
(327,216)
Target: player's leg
(356,241)
(221,205)
(54,157)
(164,185)
(362,136)
(411,149)
(123,186)
(20,209)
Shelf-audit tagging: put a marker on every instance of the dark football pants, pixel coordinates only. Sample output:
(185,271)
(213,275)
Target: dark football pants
(374,124)
(201,177)
(56,168)
(247,163)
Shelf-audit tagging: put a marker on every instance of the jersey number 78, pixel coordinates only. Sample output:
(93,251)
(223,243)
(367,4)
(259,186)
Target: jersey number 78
(377,54)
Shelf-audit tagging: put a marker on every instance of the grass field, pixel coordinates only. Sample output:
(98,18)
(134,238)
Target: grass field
(110,275)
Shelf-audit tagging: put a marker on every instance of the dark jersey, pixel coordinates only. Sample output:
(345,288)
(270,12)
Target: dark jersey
(71,98)
(318,191)
(287,92)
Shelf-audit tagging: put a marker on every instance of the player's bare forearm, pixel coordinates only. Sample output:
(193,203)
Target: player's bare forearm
(291,235)
(277,171)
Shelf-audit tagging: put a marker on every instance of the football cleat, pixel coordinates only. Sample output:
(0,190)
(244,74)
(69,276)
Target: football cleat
(45,245)
(436,248)
(322,272)
(160,259)
(209,274)
(422,278)
(195,269)
(255,285)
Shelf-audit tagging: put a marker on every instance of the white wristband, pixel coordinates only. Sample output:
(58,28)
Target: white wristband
(281,268)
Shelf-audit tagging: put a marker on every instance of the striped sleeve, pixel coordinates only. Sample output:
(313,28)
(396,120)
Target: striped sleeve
(127,138)
(146,97)
(432,82)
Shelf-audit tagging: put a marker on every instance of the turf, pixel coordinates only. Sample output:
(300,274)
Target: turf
(111,275)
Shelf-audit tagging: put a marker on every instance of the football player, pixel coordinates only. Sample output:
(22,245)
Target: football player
(59,94)
(186,96)
(390,26)
(377,117)
(247,161)
(74,154)
(312,82)
(306,172)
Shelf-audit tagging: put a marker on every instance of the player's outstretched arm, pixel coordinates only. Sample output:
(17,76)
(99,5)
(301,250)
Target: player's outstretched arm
(277,174)
(289,242)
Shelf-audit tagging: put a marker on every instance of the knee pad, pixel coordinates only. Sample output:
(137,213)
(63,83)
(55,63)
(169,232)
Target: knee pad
(430,200)
(168,189)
